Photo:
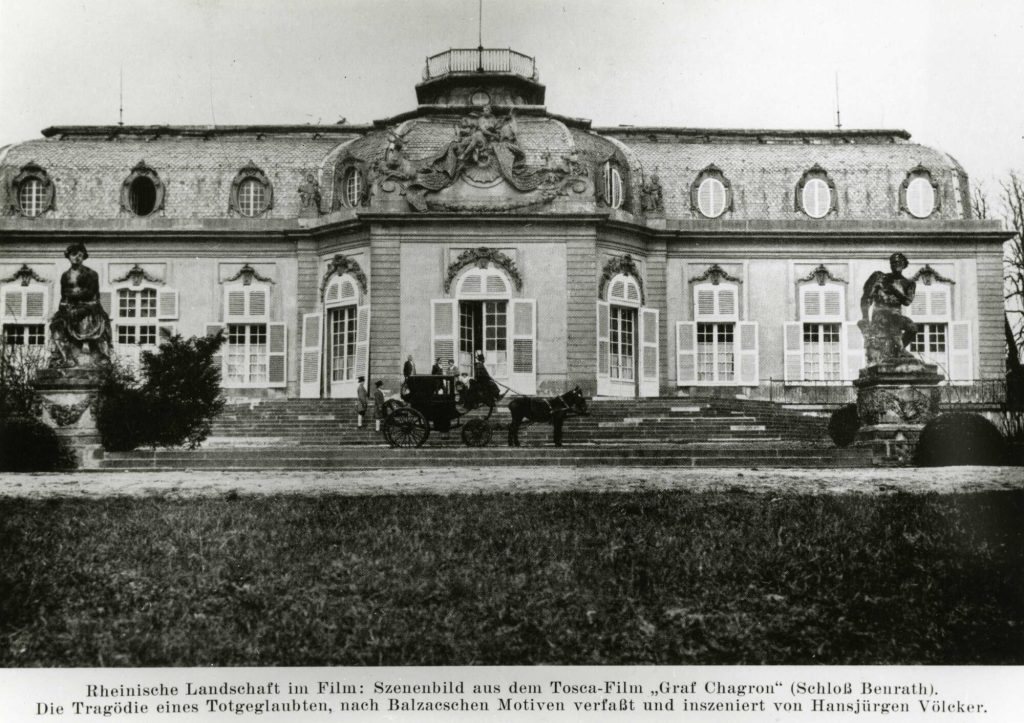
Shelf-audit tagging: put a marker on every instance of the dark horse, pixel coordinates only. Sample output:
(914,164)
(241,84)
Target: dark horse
(545,409)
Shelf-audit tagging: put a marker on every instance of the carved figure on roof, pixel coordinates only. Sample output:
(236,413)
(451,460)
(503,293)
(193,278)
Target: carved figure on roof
(886,330)
(309,194)
(80,328)
(651,200)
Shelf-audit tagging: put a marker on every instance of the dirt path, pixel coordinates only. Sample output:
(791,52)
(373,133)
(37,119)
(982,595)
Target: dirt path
(476,480)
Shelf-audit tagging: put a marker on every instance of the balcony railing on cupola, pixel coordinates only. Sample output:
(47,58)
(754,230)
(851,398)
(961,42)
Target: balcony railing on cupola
(480,60)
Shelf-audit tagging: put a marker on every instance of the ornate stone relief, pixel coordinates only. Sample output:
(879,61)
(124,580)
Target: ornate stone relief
(716,274)
(64,415)
(484,151)
(24,276)
(136,274)
(248,274)
(821,275)
(342,264)
(620,265)
(482,256)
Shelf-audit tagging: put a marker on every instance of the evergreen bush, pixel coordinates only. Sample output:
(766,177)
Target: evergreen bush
(843,425)
(29,445)
(175,403)
(960,438)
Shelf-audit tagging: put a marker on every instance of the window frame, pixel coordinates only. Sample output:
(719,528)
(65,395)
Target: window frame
(815,174)
(923,174)
(32,172)
(142,171)
(711,173)
(614,189)
(253,173)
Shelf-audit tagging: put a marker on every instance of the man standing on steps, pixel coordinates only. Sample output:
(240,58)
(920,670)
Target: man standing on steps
(409,368)
(362,401)
(378,403)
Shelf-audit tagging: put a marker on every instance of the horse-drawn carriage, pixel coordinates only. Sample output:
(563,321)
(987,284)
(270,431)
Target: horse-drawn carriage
(443,403)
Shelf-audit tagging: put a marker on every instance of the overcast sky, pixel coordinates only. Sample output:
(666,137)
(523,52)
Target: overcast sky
(950,72)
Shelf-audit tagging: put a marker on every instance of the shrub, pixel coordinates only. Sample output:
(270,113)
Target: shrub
(176,402)
(843,425)
(28,445)
(960,438)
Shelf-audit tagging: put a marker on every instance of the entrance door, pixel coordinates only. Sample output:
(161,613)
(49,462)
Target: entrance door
(341,356)
(483,326)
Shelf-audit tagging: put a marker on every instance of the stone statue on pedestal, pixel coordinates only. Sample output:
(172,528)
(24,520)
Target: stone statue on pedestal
(80,329)
(886,330)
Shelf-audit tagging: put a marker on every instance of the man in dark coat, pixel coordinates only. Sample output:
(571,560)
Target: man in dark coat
(409,368)
(362,401)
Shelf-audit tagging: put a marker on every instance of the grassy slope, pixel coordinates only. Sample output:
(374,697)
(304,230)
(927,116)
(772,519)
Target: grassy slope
(567,578)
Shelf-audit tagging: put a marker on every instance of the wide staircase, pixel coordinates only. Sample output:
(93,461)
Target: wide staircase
(322,434)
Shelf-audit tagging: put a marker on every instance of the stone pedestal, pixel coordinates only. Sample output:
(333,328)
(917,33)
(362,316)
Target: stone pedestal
(69,398)
(895,400)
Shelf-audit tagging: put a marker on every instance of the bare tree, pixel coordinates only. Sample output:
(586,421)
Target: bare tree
(1012,196)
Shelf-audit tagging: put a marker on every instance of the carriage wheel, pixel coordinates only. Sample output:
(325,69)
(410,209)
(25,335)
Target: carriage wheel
(476,433)
(391,406)
(405,427)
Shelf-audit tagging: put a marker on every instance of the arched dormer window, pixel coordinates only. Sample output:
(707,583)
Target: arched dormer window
(711,193)
(484,283)
(816,193)
(612,190)
(251,193)
(919,193)
(142,192)
(32,191)
(623,289)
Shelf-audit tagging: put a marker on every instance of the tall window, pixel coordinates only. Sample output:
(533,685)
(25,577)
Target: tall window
(621,354)
(140,316)
(343,343)
(932,309)
(483,322)
(23,316)
(814,348)
(246,354)
(823,352)
(716,353)
(930,343)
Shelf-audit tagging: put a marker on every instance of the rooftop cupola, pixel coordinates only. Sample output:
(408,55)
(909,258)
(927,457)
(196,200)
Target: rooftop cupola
(480,76)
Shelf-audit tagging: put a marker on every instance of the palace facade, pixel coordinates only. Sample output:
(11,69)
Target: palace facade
(631,261)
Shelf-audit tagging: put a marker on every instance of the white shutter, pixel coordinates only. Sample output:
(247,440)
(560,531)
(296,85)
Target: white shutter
(811,304)
(312,356)
(444,319)
(234,303)
(106,301)
(749,372)
(167,304)
(603,349)
(13,304)
(363,342)
(686,353)
(218,358)
(35,303)
(257,303)
(853,340)
(523,342)
(832,302)
(961,352)
(793,351)
(726,302)
(649,332)
(277,354)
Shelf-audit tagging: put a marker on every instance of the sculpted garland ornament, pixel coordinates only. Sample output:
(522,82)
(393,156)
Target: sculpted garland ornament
(481,257)
(342,264)
(25,275)
(620,265)
(64,415)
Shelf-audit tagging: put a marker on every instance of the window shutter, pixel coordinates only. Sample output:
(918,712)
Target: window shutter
(727,301)
(704,302)
(106,301)
(854,346)
(811,303)
(749,372)
(603,349)
(496,285)
(443,319)
(686,353)
(649,371)
(167,304)
(35,304)
(616,199)
(257,303)
(218,358)
(793,353)
(961,352)
(938,302)
(234,304)
(523,342)
(13,304)
(832,301)
(363,342)
(312,356)
(277,345)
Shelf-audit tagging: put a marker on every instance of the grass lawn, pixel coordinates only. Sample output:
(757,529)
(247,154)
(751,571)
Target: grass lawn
(567,578)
